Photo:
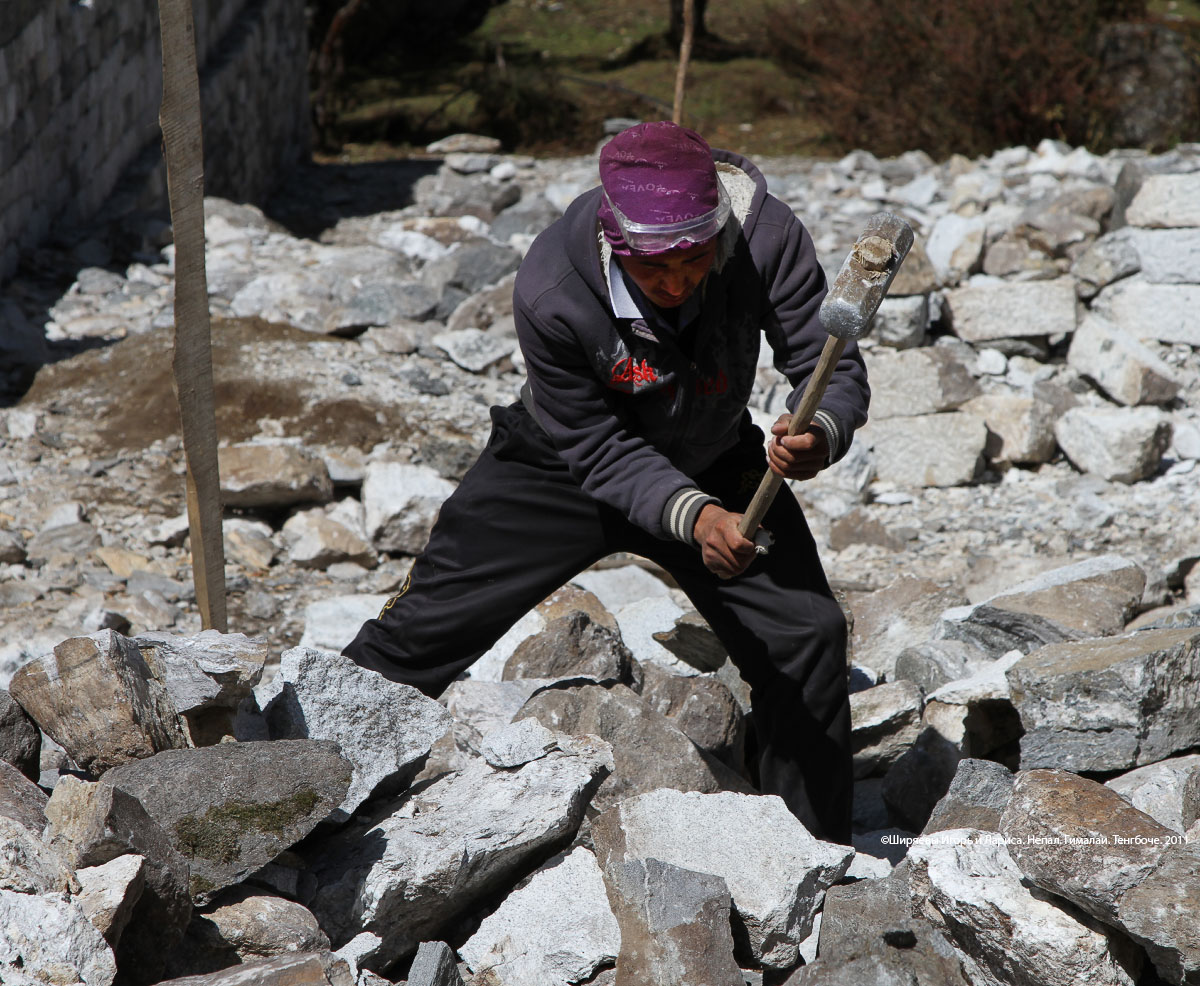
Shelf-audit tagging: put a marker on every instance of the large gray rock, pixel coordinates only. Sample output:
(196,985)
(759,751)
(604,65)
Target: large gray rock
(231,809)
(50,940)
(572,645)
(1161,789)
(1120,444)
(1160,914)
(930,450)
(557,929)
(108,893)
(976,713)
(28,865)
(434,966)
(93,824)
(902,614)
(649,751)
(702,707)
(1110,258)
(385,729)
(251,925)
(989,309)
(1164,312)
(98,698)
(1109,704)
(1020,427)
(316,540)
(401,502)
(885,721)
(1168,256)
(302,969)
(976,799)
(1089,598)
(206,676)
(1126,369)
(21,799)
(20,739)
(917,381)
(674,925)
(1079,840)
(1166,201)
(444,850)
(966,883)
(272,476)
(777,872)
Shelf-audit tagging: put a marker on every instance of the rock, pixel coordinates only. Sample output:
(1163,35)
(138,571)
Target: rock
(1083,703)
(248,543)
(255,926)
(517,744)
(775,870)
(331,623)
(232,808)
(20,739)
(1166,201)
(572,645)
(555,930)
(649,751)
(936,662)
(954,246)
(1167,256)
(316,540)
(72,540)
(434,966)
(1110,258)
(967,884)
(28,865)
(50,940)
(1122,445)
(976,799)
(1159,790)
(703,708)
(385,729)
(1089,598)
(885,721)
(641,621)
(917,381)
(206,676)
(930,450)
(98,698)
(1079,840)
(401,503)
(1125,369)
(693,641)
(254,476)
(901,322)
(1164,312)
(976,713)
(443,851)
(674,924)
(919,779)
(94,824)
(1020,428)
(307,969)
(901,614)
(21,799)
(110,892)
(473,349)
(1158,914)
(993,309)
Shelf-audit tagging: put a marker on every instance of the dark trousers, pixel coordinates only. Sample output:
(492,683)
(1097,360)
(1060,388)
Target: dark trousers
(518,527)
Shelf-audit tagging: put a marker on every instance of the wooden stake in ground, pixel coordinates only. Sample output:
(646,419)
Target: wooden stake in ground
(192,365)
(685,54)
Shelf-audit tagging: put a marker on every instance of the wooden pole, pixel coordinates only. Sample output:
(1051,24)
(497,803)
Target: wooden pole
(685,54)
(192,362)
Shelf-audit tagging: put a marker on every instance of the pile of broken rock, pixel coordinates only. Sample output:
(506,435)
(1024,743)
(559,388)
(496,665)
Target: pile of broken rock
(1013,535)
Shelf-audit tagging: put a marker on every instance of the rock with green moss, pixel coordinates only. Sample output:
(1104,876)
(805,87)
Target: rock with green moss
(232,808)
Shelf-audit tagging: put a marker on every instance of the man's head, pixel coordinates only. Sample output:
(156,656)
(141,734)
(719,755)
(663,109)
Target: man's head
(662,208)
(661,191)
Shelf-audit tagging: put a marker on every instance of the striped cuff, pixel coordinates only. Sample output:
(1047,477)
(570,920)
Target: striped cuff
(681,511)
(833,433)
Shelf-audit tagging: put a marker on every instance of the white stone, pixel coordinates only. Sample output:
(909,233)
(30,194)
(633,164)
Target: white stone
(556,930)
(1164,312)
(1168,256)
(986,309)
(1166,201)
(1122,445)
(615,587)
(330,624)
(640,621)
(49,939)
(965,881)
(1127,370)
(1157,789)
(110,891)
(926,450)
(490,666)
(517,743)
(955,245)
(900,322)
(1021,429)
(473,349)
(401,502)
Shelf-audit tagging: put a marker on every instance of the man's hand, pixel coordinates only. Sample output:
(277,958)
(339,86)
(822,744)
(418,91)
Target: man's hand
(798,456)
(725,552)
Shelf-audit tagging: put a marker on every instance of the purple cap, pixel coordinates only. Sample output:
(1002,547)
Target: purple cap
(661,190)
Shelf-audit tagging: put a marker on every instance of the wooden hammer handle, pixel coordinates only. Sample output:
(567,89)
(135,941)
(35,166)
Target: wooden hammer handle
(814,390)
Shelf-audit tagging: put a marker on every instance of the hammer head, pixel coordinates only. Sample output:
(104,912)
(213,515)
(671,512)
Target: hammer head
(866,275)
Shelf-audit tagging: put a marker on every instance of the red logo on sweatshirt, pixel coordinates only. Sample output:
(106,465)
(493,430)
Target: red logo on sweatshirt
(628,371)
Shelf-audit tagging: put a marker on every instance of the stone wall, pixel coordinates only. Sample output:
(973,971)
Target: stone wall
(80,87)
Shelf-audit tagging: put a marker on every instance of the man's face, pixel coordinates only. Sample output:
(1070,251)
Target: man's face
(668,279)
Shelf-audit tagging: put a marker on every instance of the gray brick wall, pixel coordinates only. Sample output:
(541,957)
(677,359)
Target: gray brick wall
(80,86)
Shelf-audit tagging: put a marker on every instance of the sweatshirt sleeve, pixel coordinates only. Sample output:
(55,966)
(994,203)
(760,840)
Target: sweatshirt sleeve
(797,286)
(610,462)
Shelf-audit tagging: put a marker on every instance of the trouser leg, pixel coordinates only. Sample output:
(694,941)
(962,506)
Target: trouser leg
(515,530)
(787,636)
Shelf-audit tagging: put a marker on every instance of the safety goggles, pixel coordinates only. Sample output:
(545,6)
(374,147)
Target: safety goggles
(661,237)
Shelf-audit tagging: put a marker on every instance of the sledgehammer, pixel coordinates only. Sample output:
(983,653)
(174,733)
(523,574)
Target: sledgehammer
(846,313)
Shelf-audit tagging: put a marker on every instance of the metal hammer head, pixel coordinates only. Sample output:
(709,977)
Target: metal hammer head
(866,275)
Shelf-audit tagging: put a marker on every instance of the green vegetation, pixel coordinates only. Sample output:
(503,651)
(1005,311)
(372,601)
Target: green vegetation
(767,77)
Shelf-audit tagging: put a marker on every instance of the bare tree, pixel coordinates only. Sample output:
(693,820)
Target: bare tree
(675,30)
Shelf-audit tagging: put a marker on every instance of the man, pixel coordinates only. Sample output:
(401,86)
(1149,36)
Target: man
(640,314)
